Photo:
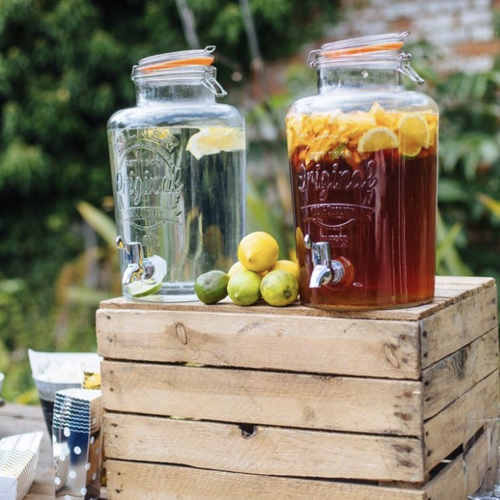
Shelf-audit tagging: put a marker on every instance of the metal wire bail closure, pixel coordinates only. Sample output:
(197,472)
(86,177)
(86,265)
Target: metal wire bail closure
(375,50)
(210,82)
(405,68)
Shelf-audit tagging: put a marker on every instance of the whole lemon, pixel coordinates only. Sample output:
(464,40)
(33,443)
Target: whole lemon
(258,251)
(211,287)
(287,265)
(236,268)
(279,288)
(244,288)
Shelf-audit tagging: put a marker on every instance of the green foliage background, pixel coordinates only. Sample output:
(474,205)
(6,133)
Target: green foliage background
(64,69)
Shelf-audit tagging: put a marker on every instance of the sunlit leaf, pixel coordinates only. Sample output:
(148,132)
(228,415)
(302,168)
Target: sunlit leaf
(448,261)
(492,205)
(99,222)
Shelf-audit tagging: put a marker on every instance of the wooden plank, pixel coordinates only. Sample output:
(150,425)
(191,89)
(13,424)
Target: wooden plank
(449,484)
(454,375)
(476,463)
(470,281)
(444,433)
(456,326)
(283,399)
(262,450)
(383,349)
(132,481)
(448,290)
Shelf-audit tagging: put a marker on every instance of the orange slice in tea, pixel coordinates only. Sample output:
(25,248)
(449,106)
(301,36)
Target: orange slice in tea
(432,121)
(376,139)
(351,126)
(385,118)
(414,134)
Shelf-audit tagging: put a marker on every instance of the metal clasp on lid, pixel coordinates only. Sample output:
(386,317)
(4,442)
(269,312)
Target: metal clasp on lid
(210,82)
(311,60)
(405,68)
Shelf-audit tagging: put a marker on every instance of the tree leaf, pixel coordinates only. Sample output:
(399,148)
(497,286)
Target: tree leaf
(492,205)
(99,222)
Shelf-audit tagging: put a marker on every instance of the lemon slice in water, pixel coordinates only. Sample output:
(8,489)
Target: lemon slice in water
(377,139)
(212,140)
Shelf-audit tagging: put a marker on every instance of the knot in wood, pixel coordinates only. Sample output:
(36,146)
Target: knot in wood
(181,333)
(389,351)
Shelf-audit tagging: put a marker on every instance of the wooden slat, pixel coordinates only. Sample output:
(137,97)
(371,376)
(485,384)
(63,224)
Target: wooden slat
(156,482)
(449,378)
(262,450)
(347,404)
(448,291)
(449,484)
(449,330)
(476,463)
(444,433)
(133,481)
(388,349)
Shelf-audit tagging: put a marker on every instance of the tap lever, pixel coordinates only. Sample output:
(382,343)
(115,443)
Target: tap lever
(321,253)
(133,250)
(326,270)
(138,267)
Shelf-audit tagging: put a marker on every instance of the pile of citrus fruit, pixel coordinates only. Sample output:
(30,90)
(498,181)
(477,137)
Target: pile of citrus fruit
(358,134)
(258,273)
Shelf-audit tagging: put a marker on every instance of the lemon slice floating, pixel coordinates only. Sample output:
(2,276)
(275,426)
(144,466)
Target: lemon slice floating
(213,140)
(376,139)
(414,134)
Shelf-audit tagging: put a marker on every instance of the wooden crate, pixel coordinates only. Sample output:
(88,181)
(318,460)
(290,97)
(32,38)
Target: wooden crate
(228,403)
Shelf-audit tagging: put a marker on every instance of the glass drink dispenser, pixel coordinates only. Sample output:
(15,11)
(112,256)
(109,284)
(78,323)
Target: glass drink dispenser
(178,171)
(363,165)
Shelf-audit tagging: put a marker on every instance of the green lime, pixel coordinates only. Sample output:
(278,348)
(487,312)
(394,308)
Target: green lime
(143,288)
(279,288)
(211,287)
(244,288)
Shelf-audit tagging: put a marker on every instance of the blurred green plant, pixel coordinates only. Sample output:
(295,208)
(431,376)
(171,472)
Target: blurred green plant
(64,69)
(470,171)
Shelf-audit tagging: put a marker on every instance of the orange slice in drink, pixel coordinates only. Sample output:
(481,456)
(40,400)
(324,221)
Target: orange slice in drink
(413,134)
(376,139)
(385,118)
(432,121)
(351,126)
(213,140)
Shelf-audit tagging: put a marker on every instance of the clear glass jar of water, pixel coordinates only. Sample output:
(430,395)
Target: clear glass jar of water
(178,172)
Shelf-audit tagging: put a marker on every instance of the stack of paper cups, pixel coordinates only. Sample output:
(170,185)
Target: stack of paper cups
(77,440)
(18,460)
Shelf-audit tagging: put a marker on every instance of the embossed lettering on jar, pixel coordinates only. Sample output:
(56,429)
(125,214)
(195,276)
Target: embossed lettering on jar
(363,165)
(178,168)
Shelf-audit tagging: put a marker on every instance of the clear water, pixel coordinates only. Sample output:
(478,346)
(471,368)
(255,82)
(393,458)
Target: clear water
(188,211)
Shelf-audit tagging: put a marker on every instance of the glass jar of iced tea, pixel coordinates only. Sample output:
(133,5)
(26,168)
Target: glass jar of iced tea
(178,171)
(363,164)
